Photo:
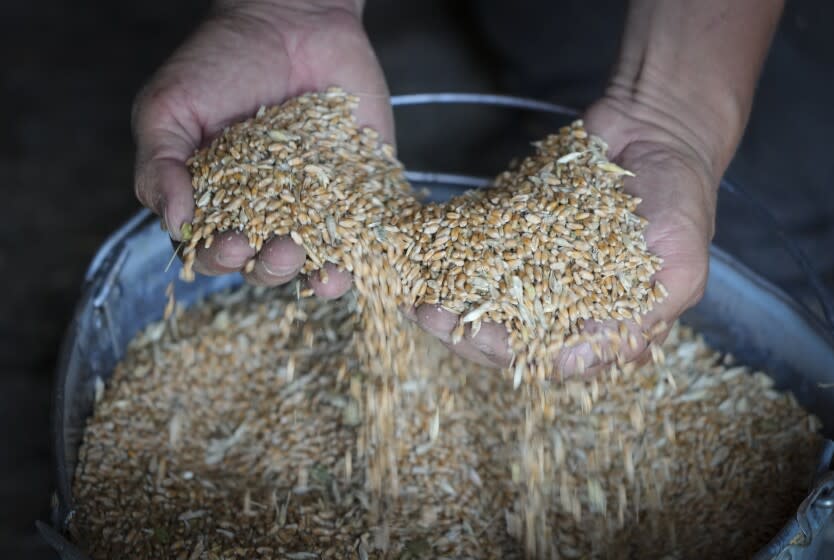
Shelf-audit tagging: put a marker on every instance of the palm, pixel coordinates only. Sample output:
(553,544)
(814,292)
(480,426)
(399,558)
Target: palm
(679,230)
(679,203)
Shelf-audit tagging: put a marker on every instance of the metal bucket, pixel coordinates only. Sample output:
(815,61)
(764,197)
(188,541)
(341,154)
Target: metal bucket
(740,313)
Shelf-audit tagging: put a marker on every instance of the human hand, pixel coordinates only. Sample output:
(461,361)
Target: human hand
(676,178)
(248,54)
(673,114)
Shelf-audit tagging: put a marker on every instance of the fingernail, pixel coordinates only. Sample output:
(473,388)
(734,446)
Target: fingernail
(280,270)
(227,261)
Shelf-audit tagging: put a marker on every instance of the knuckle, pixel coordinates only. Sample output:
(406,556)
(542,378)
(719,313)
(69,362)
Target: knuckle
(159,102)
(139,190)
(137,107)
(145,188)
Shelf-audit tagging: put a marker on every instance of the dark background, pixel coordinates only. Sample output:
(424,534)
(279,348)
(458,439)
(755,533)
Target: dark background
(69,71)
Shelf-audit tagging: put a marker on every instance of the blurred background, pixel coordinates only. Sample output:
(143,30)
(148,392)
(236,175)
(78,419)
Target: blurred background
(70,71)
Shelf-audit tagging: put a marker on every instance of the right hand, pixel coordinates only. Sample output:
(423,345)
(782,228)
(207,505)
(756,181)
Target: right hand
(249,54)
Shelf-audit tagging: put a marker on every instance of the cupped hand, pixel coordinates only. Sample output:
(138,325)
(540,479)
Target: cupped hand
(675,178)
(245,55)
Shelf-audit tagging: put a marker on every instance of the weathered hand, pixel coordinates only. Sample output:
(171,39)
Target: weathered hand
(674,178)
(249,54)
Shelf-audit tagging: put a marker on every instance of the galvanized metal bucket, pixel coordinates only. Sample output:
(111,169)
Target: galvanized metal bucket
(740,313)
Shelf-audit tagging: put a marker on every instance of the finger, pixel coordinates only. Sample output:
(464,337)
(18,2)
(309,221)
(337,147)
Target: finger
(642,358)
(577,360)
(229,252)
(164,186)
(607,342)
(680,212)
(337,284)
(436,321)
(659,337)
(375,111)
(631,344)
(466,350)
(572,368)
(161,181)
(279,261)
(490,348)
(492,340)
(683,275)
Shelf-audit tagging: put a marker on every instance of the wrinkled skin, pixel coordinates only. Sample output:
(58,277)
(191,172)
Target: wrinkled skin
(259,54)
(239,59)
(679,197)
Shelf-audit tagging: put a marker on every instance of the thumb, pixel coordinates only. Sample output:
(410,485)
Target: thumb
(609,121)
(163,144)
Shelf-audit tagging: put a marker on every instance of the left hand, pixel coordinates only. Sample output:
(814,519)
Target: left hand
(677,180)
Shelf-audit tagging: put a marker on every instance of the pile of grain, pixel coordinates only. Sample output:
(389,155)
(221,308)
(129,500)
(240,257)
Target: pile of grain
(231,431)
